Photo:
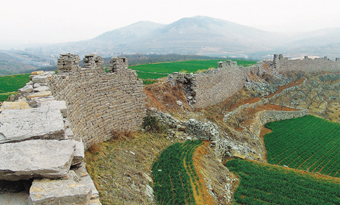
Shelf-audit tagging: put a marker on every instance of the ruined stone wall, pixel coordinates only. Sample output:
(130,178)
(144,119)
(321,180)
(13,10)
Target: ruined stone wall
(282,64)
(213,86)
(100,102)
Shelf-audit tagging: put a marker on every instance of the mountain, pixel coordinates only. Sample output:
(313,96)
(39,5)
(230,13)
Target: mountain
(195,35)
(203,36)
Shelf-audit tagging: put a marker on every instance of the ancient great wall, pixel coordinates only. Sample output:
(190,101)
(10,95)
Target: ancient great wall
(208,88)
(69,111)
(99,102)
(306,64)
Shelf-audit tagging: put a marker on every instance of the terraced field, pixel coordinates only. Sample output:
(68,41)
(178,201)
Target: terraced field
(269,184)
(174,174)
(310,143)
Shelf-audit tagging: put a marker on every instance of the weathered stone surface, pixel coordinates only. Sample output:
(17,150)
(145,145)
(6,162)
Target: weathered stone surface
(42,122)
(95,202)
(80,170)
(40,79)
(18,105)
(36,85)
(87,181)
(41,89)
(56,192)
(39,94)
(79,153)
(35,158)
(20,198)
(26,89)
(69,134)
(57,105)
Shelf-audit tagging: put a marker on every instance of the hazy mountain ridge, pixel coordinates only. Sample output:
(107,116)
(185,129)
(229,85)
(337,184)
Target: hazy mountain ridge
(200,35)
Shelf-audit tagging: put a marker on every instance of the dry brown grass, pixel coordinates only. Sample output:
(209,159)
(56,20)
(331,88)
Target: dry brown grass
(163,97)
(118,166)
(210,168)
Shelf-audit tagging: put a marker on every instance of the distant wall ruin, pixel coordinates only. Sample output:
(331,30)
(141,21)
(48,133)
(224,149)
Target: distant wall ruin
(282,64)
(99,102)
(208,88)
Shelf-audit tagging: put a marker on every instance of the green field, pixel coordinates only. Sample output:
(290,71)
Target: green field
(148,71)
(308,143)
(268,184)
(12,83)
(172,178)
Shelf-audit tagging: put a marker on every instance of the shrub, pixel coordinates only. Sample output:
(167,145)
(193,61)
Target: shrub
(151,123)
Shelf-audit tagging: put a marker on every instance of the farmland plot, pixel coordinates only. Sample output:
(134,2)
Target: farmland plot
(174,174)
(308,143)
(269,184)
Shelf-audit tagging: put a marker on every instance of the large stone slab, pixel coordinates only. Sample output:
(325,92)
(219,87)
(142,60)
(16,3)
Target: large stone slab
(36,123)
(56,192)
(36,158)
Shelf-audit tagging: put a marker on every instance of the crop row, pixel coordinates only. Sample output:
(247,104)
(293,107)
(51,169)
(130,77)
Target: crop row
(264,183)
(174,173)
(307,143)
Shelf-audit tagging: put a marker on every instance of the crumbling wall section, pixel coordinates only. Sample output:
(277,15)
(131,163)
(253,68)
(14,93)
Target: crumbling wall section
(282,64)
(208,88)
(100,102)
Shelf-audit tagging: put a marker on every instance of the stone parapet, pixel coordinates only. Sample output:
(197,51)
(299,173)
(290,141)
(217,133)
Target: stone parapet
(99,102)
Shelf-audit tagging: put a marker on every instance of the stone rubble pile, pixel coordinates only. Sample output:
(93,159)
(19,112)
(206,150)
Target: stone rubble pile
(188,130)
(37,144)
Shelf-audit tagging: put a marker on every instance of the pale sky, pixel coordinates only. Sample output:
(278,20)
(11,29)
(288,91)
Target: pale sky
(56,21)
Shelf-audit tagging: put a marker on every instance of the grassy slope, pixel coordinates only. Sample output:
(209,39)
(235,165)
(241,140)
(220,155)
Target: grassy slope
(311,144)
(12,83)
(268,184)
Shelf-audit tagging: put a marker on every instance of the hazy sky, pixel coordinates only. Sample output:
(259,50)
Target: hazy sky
(54,21)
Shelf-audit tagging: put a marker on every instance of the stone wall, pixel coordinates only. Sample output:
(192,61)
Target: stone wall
(99,102)
(213,86)
(282,64)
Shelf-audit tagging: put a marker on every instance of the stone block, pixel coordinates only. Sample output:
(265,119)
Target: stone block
(26,89)
(41,89)
(87,181)
(56,192)
(40,94)
(40,79)
(79,154)
(20,198)
(18,105)
(35,123)
(36,158)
